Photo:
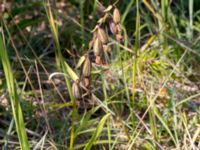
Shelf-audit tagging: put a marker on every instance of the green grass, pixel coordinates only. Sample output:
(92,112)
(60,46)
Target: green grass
(14,96)
(145,97)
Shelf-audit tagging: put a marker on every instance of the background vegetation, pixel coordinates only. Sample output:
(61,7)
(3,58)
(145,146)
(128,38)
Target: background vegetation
(146,96)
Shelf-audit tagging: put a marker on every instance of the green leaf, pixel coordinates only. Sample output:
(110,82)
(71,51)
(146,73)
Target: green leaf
(14,97)
(97,132)
(80,62)
(71,73)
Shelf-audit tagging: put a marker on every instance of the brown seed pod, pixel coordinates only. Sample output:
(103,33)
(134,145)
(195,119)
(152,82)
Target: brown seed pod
(98,47)
(112,27)
(76,91)
(87,67)
(116,16)
(102,36)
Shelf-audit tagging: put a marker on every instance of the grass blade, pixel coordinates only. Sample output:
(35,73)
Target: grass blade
(134,72)
(97,132)
(14,97)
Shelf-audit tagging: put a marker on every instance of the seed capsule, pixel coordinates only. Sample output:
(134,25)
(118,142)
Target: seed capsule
(87,67)
(116,16)
(76,91)
(102,36)
(98,47)
(112,27)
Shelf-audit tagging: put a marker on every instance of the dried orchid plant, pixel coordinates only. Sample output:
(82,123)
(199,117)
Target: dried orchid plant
(99,45)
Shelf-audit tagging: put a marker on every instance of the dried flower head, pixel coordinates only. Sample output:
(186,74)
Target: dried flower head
(87,67)
(102,35)
(98,47)
(116,16)
(112,27)
(76,91)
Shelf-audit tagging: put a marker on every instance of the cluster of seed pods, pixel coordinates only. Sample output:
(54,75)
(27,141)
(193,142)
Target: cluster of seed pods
(85,80)
(99,44)
(100,39)
(115,25)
